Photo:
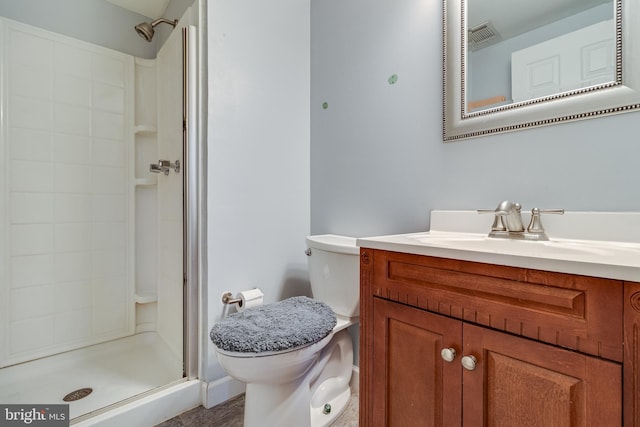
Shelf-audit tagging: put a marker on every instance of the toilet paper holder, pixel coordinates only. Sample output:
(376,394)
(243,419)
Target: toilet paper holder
(227,298)
(243,300)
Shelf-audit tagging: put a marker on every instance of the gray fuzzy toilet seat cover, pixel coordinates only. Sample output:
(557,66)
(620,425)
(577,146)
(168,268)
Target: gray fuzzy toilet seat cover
(278,326)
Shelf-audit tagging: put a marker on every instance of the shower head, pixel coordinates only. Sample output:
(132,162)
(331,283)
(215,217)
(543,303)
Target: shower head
(146,29)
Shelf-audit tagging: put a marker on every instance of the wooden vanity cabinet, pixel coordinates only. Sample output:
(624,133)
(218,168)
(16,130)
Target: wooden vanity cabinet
(410,385)
(548,347)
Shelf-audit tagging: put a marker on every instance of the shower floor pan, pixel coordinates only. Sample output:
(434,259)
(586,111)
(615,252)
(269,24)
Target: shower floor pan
(115,371)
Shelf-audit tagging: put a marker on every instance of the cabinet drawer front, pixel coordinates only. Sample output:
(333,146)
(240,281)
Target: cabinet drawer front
(577,312)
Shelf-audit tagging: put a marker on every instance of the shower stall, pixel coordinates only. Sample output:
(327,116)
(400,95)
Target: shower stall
(94,242)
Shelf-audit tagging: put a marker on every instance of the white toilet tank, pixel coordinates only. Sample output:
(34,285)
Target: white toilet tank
(334,272)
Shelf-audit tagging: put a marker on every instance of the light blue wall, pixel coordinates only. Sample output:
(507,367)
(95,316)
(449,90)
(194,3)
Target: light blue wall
(257,155)
(378,163)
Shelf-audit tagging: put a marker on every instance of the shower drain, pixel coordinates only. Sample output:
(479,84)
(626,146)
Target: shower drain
(77,394)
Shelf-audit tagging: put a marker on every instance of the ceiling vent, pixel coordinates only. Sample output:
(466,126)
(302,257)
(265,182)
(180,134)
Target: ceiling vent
(483,35)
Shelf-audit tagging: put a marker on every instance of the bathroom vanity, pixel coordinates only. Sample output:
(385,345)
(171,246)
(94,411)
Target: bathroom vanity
(460,329)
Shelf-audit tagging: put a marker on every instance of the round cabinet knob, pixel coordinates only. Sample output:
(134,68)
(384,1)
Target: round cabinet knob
(469,362)
(448,354)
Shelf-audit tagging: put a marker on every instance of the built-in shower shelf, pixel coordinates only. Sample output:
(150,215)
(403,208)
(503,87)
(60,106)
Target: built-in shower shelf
(146,297)
(145,129)
(146,181)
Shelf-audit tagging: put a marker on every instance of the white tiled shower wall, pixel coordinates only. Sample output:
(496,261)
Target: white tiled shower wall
(64,250)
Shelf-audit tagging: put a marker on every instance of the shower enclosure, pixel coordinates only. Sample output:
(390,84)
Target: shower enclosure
(93,266)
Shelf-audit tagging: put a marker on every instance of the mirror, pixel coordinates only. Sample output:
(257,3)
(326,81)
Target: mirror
(566,60)
(536,49)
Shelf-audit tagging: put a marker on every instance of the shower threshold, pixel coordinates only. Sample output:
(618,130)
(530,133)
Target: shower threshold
(115,371)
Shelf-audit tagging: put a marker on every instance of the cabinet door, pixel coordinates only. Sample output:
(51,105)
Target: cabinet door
(412,385)
(519,382)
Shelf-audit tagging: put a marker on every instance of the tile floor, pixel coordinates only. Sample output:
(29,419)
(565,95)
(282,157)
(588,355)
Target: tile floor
(230,414)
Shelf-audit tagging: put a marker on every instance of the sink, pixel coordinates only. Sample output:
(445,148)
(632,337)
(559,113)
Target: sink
(551,248)
(592,256)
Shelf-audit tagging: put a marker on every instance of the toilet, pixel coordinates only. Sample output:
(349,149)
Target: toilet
(295,355)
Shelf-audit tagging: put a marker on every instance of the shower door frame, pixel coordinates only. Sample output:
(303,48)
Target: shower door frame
(191,197)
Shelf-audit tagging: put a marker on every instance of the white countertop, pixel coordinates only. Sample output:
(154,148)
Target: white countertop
(610,247)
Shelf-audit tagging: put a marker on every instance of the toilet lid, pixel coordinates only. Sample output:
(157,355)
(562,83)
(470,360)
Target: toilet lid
(278,326)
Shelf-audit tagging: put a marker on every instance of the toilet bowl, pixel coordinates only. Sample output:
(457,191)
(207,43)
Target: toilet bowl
(296,356)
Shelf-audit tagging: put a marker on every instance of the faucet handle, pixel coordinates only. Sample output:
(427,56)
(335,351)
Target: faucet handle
(492,211)
(498,224)
(548,211)
(535,228)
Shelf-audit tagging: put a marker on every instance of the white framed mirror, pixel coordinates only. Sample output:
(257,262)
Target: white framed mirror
(503,75)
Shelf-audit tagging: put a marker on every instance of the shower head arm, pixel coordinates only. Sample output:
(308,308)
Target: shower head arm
(173,23)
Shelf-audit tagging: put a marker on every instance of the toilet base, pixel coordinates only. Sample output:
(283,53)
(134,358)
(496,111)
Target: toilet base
(281,405)
(300,403)
(338,405)
(331,384)
(288,406)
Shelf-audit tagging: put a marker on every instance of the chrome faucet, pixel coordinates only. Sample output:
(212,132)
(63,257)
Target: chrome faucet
(507,223)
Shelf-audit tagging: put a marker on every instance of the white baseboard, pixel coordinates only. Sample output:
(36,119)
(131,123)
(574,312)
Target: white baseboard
(219,391)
